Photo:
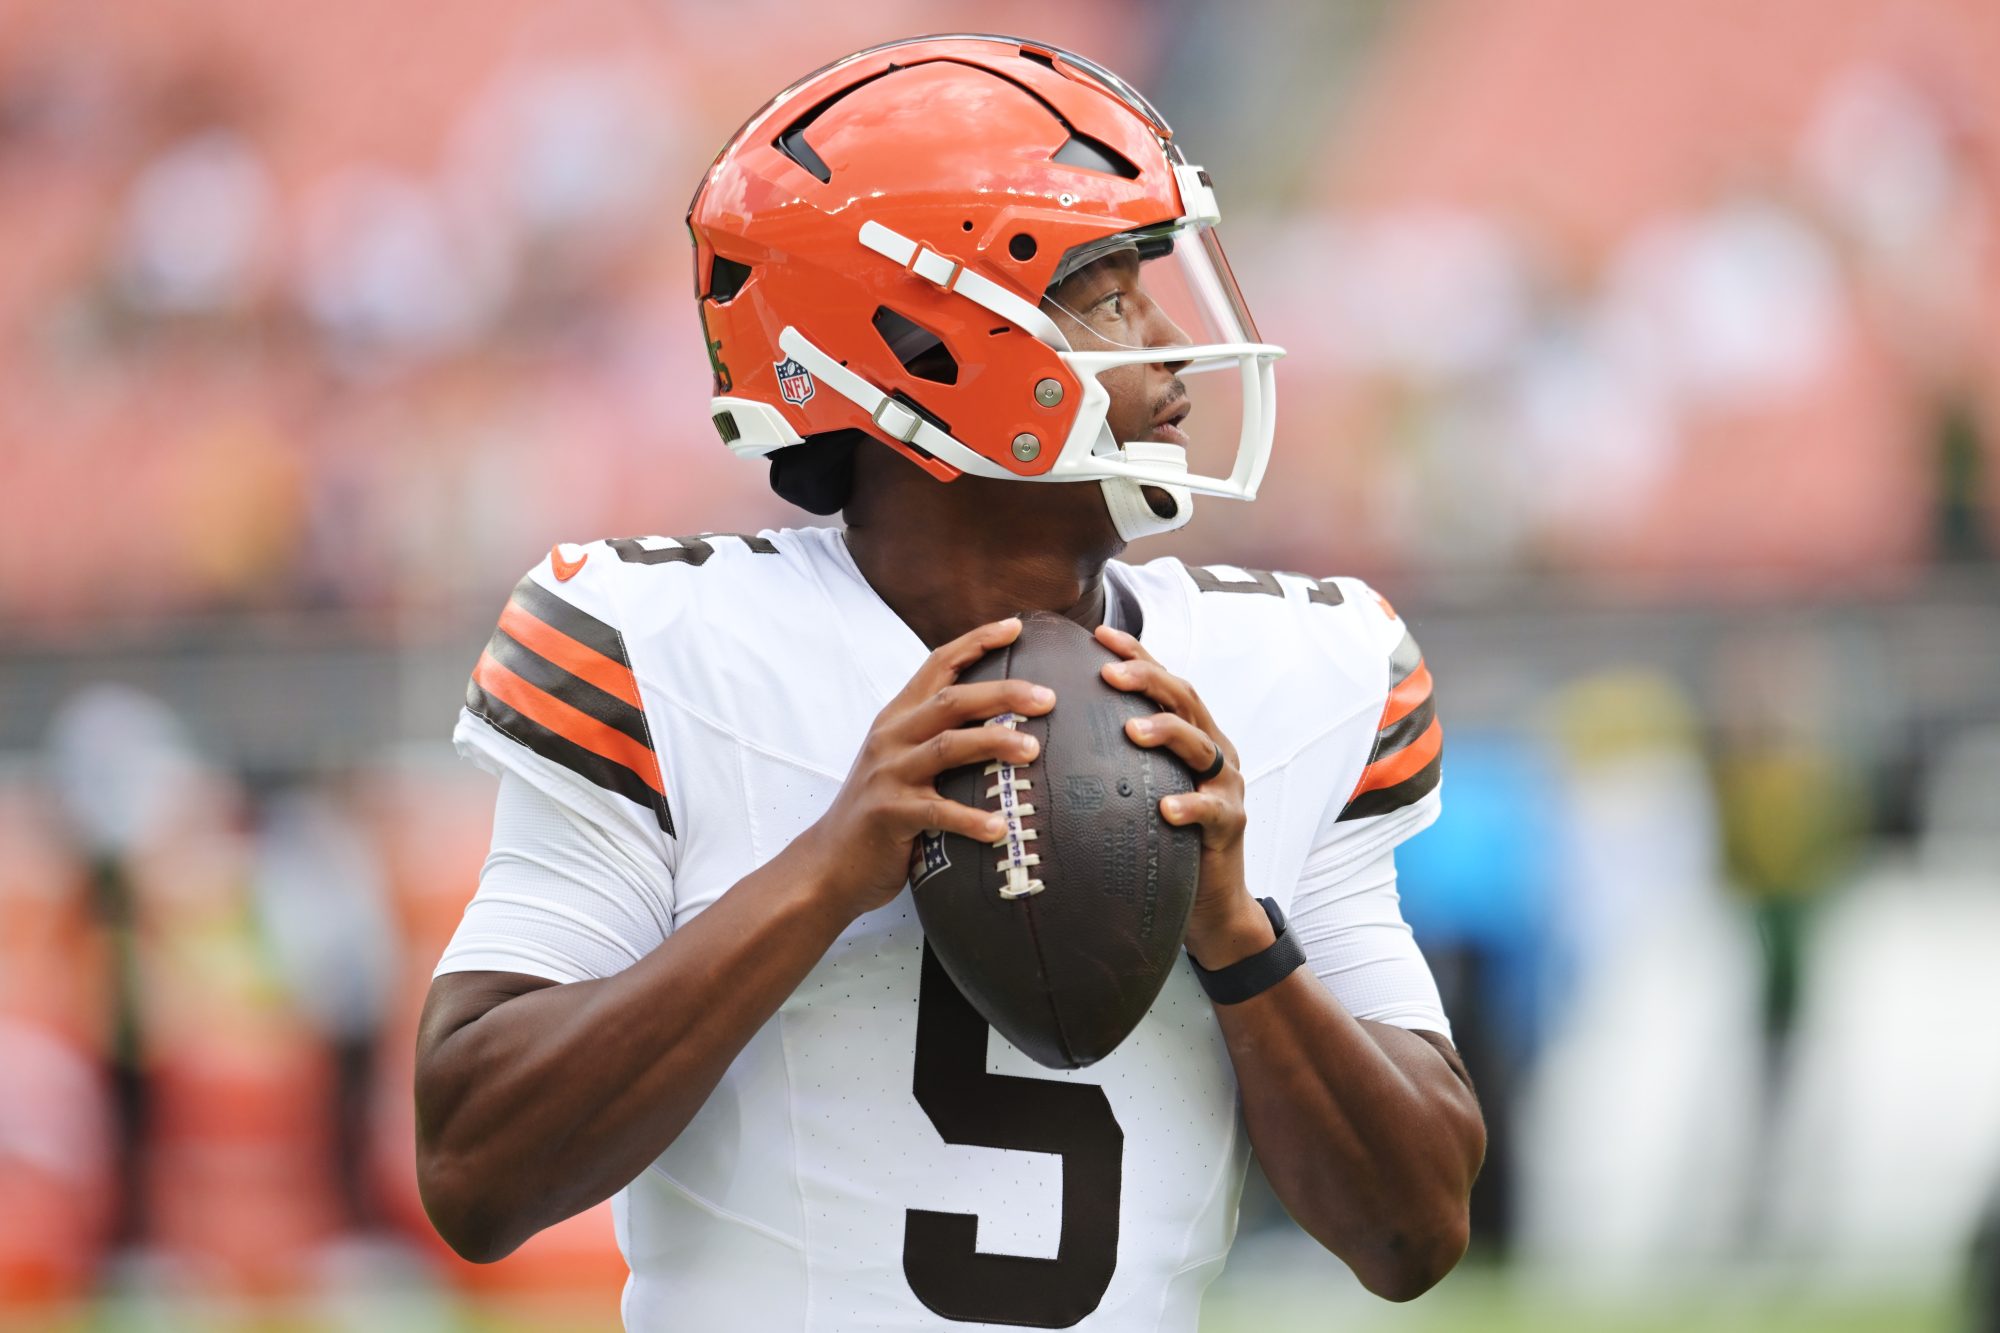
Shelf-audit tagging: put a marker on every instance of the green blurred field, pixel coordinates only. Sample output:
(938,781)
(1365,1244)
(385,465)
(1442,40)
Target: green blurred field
(1486,1301)
(1474,1300)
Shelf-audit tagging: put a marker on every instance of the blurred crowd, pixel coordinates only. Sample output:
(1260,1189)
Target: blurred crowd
(357,310)
(324,340)
(208,1000)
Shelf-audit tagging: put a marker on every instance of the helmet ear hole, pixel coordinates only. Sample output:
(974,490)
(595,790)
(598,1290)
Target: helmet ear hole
(1022,247)
(725,279)
(922,353)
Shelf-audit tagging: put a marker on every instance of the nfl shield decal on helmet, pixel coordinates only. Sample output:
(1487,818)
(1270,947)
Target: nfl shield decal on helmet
(794,381)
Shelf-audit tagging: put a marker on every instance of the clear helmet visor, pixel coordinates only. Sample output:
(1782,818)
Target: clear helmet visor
(1155,314)
(1141,288)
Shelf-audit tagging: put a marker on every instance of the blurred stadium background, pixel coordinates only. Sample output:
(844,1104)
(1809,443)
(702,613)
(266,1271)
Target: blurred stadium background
(1647,353)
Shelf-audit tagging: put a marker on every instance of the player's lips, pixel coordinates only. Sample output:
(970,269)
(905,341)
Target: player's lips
(1167,425)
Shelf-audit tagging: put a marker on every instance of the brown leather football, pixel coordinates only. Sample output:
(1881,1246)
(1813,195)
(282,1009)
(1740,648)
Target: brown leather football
(1062,935)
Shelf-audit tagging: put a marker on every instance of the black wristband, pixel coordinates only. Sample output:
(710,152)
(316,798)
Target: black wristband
(1259,972)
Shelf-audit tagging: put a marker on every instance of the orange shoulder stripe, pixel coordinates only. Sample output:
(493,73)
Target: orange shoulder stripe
(571,724)
(544,640)
(1391,769)
(1413,690)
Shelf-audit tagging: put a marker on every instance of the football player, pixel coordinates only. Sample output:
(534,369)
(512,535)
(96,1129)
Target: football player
(967,292)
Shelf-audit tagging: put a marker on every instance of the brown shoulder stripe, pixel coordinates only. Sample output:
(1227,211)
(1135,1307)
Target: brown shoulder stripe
(1405,659)
(614,703)
(558,681)
(578,624)
(1406,761)
(609,675)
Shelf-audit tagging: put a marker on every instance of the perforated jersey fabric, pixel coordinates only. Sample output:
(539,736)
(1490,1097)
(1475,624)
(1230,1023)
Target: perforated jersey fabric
(558,897)
(668,714)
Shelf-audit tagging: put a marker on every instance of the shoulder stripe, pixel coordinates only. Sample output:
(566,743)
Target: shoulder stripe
(1407,695)
(1404,659)
(566,719)
(1386,770)
(558,680)
(551,679)
(1406,760)
(580,625)
(1397,735)
(559,749)
(609,675)
(1407,792)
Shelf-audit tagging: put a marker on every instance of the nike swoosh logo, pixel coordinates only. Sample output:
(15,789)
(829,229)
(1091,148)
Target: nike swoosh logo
(565,569)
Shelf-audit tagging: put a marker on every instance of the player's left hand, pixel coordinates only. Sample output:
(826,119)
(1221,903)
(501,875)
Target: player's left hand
(1226,917)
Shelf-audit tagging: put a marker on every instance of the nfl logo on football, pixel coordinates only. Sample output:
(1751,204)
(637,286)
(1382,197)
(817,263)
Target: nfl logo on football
(927,857)
(795,382)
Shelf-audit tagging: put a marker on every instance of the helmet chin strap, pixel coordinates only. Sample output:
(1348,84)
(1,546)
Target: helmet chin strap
(1134,517)
(1131,514)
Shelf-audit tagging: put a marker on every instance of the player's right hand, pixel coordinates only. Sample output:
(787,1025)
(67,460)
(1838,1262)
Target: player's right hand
(862,844)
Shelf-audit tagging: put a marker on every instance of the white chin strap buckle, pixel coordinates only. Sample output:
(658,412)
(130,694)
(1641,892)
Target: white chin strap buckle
(1131,513)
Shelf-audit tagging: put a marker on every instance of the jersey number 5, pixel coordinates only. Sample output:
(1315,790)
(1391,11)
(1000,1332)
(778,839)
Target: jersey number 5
(970,1106)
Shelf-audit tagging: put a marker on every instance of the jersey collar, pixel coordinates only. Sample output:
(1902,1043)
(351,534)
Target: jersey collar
(889,651)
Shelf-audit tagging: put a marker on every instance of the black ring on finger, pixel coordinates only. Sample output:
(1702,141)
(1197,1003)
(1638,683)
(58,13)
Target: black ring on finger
(1212,769)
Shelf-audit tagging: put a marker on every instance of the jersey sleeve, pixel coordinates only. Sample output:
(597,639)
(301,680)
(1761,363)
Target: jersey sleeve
(579,881)
(553,700)
(1397,766)
(1345,909)
(1349,921)
(559,897)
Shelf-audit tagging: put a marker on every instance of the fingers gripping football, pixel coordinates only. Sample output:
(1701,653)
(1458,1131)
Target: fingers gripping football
(1186,728)
(955,705)
(890,795)
(966,745)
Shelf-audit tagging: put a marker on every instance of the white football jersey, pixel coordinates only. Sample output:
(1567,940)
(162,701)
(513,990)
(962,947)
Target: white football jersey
(876,1158)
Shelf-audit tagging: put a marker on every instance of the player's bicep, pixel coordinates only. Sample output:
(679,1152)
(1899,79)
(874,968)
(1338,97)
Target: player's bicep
(1349,921)
(560,897)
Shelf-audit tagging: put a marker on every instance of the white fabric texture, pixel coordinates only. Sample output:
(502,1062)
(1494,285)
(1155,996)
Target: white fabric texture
(558,898)
(1350,925)
(786,1203)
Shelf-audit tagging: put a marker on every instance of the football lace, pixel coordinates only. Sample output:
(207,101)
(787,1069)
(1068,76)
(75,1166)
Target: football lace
(1018,863)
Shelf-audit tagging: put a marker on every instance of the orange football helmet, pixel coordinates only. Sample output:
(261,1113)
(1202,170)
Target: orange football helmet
(873,247)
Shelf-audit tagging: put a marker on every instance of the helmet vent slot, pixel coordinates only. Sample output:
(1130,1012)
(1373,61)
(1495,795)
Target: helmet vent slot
(1094,155)
(922,353)
(725,426)
(792,143)
(726,278)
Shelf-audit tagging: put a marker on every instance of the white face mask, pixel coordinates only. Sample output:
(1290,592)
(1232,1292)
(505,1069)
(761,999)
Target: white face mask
(1164,297)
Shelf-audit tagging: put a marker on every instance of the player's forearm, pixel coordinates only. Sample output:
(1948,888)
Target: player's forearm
(554,1100)
(1369,1139)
